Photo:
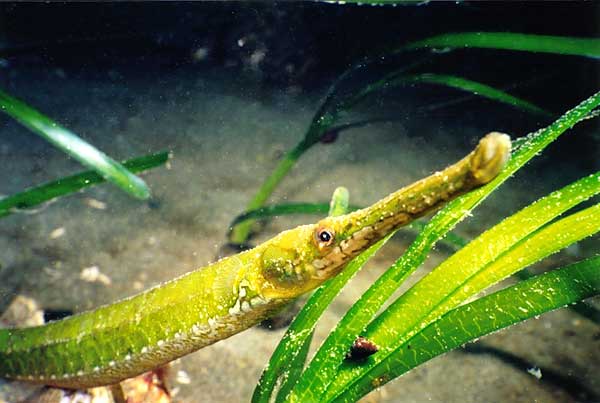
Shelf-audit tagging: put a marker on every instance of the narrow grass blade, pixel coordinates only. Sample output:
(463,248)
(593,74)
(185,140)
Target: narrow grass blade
(439,292)
(456,242)
(70,184)
(451,239)
(241,231)
(275,210)
(323,369)
(304,323)
(461,272)
(544,242)
(514,304)
(473,87)
(294,343)
(562,45)
(325,117)
(294,368)
(329,110)
(340,202)
(70,143)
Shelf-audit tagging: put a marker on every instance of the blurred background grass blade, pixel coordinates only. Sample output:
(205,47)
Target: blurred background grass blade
(519,302)
(562,45)
(70,143)
(340,202)
(327,115)
(64,186)
(240,232)
(329,110)
(473,87)
(274,210)
(323,369)
(323,120)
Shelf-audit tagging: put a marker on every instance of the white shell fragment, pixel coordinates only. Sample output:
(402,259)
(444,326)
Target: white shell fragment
(93,274)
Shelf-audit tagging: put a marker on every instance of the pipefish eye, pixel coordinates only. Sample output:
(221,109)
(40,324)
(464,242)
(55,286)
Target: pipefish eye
(324,237)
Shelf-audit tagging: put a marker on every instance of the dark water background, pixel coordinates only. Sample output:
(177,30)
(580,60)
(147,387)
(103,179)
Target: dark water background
(302,47)
(229,87)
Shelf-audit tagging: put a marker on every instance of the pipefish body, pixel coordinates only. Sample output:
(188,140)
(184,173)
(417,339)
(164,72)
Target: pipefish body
(140,333)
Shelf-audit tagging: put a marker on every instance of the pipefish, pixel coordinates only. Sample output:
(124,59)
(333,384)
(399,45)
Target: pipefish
(137,334)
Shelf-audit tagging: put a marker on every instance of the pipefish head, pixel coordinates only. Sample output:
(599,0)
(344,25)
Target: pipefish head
(295,261)
(301,259)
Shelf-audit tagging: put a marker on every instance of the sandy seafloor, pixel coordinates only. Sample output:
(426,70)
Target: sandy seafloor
(226,134)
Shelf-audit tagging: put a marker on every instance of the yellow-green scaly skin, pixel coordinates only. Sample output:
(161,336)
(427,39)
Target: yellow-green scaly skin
(129,337)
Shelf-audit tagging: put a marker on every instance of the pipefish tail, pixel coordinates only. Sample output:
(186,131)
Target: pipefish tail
(137,334)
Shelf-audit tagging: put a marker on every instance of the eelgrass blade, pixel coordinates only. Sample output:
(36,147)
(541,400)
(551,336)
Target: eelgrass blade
(461,272)
(456,242)
(323,369)
(275,210)
(475,270)
(542,243)
(305,321)
(337,206)
(292,348)
(70,184)
(340,202)
(451,239)
(473,87)
(328,112)
(525,300)
(325,117)
(561,45)
(240,232)
(70,143)
(290,374)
